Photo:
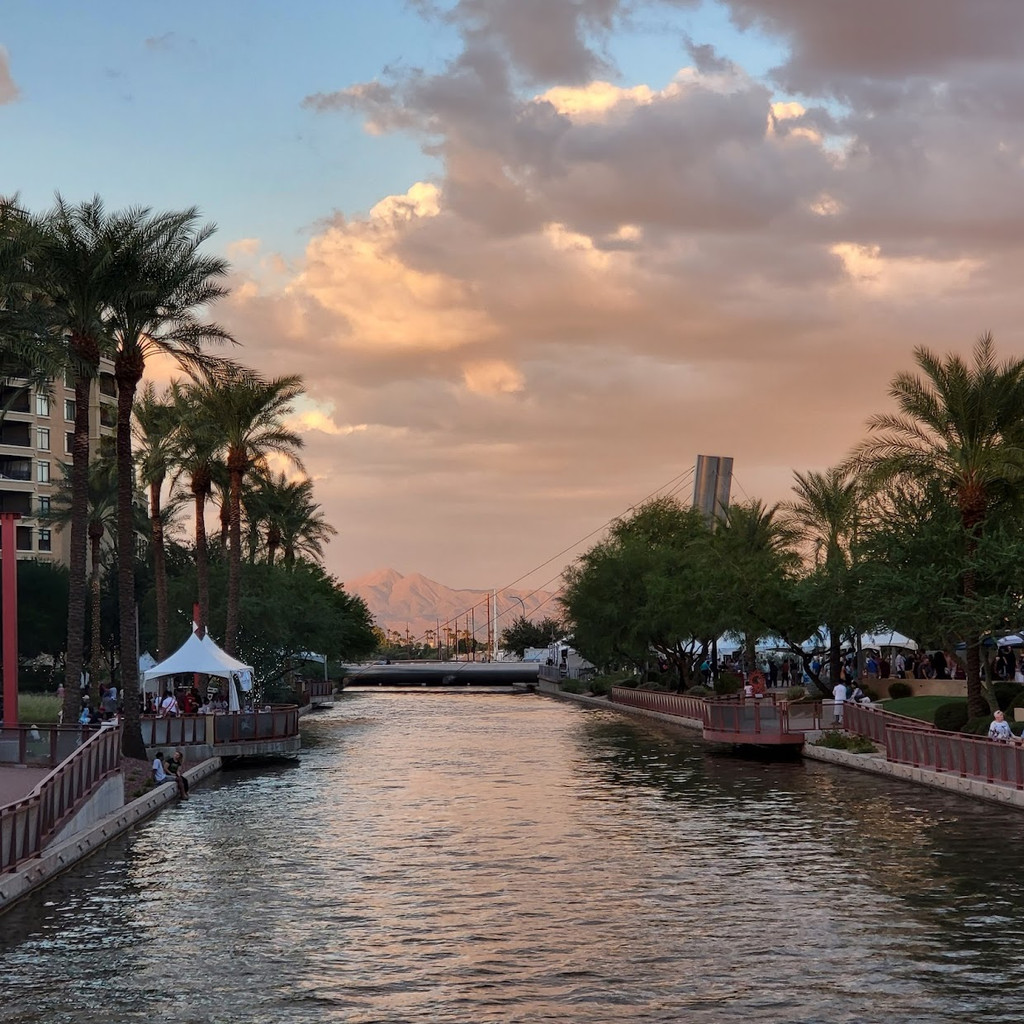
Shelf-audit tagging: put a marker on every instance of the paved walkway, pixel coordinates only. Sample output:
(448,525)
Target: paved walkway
(16,782)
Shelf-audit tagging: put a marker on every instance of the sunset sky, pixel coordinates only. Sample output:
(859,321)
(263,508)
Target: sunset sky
(533,256)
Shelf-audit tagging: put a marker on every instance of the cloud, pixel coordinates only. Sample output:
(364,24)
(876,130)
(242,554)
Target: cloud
(9,91)
(606,277)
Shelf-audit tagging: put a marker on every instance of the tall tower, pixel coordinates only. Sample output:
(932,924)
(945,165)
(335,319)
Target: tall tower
(712,484)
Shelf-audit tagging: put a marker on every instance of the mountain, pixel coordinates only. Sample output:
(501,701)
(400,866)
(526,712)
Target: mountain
(414,604)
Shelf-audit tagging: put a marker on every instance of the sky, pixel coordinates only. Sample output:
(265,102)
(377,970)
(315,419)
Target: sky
(532,256)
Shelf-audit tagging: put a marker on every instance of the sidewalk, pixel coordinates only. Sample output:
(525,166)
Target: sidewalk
(17,781)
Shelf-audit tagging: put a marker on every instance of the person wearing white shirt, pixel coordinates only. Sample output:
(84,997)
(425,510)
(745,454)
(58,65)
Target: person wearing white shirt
(839,696)
(1000,728)
(169,705)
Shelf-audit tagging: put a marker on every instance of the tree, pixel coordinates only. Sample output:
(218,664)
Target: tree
(248,412)
(293,522)
(78,266)
(959,433)
(523,633)
(154,310)
(155,427)
(827,515)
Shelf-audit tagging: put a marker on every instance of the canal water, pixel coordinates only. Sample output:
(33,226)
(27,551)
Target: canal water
(479,858)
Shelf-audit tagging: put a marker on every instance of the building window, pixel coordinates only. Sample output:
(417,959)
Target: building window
(69,409)
(43,438)
(69,443)
(43,472)
(42,405)
(44,540)
(44,504)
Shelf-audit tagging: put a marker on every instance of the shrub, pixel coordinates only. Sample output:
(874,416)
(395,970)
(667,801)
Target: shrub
(699,691)
(38,708)
(1007,694)
(796,693)
(977,726)
(728,683)
(601,686)
(952,716)
(898,690)
(836,740)
(570,686)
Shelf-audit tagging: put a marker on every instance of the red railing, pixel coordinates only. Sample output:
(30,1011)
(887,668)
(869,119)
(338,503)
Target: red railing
(972,757)
(44,746)
(660,700)
(231,727)
(26,826)
(874,722)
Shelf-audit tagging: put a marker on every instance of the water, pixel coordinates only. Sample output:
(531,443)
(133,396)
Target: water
(509,858)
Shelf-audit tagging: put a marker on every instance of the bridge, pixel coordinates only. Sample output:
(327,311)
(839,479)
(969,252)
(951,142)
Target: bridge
(503,674)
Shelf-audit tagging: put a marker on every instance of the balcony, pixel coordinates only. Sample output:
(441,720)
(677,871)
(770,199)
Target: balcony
(19,470)
(15,399)
(17,434)
(108,415)
(108,385)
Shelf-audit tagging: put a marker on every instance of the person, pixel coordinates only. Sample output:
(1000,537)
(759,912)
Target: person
(748,689)
(839,696)
(84,718)
(109,702)
(176,767)
(1000,728)
(872,666)
(857,696)
(900,665)
(160,775)
(169,705)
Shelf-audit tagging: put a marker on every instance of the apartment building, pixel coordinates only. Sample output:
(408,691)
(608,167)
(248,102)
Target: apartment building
(35,440)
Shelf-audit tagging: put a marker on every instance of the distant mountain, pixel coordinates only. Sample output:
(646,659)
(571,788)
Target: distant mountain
(415,604)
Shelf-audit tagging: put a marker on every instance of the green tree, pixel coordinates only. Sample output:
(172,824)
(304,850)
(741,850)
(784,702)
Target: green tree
(248,412)
(958,433)
(167,282)
(523,633)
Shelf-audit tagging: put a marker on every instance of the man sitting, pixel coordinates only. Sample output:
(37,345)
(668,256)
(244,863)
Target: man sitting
(160,775)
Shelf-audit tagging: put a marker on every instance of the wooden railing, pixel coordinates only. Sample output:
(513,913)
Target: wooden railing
(231,727)
(660,700)
(972,757)
(27,825)
(43,746)
(318,688)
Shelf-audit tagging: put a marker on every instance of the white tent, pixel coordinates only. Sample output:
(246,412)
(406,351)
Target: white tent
(876,641)
(205,657)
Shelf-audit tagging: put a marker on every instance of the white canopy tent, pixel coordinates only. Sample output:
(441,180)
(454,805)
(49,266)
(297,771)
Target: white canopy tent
(876,641)
(203,656)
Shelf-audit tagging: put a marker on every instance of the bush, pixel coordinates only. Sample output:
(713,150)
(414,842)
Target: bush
(951,717)
(699,691)
(836,740)
(796,693)
(570,686)
(1008,694)
(898,690)
(977,726)
(601,686)
(727,684)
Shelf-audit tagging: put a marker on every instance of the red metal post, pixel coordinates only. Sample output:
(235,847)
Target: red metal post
(9,592)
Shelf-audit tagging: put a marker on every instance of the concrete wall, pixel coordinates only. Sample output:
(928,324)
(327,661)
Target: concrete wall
(104,802)
(59,856)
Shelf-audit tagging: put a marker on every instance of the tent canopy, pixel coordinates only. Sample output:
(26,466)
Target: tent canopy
(198,655)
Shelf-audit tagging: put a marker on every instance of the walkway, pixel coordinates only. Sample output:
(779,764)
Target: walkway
(17,781)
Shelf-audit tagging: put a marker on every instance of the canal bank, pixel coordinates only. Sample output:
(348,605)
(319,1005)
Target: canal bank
(872,763)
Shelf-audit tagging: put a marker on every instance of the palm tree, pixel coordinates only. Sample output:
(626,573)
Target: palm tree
(293,521)
(154,311)
(155,425)
(961,428)
(102,521)
(249,413)
(78,266)
(195,455)
(827,513)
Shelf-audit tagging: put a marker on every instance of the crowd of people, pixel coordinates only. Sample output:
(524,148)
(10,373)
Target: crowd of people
(184,701)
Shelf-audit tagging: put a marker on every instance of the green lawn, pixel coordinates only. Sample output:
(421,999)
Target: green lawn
(922,708)
(38,708)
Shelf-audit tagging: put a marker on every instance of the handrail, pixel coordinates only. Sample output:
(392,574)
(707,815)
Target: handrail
(971,757)
(280,722)
(663,701)
(874,722)
(28,824)
(44,745)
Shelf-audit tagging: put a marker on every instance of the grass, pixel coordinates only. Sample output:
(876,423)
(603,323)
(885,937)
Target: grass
(921,708)
(38,708)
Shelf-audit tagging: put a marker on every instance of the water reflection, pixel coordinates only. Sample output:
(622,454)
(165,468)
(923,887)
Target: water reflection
(495,858)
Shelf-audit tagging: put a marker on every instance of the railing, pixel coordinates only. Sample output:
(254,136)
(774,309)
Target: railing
(660,700)
(319,688)
(26,826)
(972,757)
(42,746)
(231,727)
(874,722)
(761,717)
